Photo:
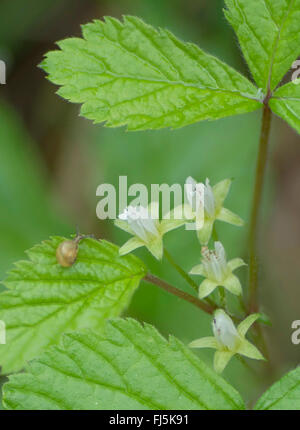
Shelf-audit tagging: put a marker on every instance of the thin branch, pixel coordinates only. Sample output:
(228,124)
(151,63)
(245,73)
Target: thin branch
(181,294)
(182,272)
(186,276)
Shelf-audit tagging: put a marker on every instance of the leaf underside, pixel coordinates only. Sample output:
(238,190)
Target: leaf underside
(44,299)
(128,73)
(269,34)
(284,394)
(130,367)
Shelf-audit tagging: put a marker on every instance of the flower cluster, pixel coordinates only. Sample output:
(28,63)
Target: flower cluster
(204,205)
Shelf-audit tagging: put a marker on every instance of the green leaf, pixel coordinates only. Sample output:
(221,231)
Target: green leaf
(284,394)
(131,367)
(44,299)
(129,73)
(269,35)
(286,103)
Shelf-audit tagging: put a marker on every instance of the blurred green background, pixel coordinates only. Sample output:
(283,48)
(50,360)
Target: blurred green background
(51,162)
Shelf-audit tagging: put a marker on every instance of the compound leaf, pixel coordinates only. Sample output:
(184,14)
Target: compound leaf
(130,367)
(44,299)
(128,73)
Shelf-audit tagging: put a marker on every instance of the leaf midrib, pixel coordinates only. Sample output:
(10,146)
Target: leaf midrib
(162,369)
(282,397)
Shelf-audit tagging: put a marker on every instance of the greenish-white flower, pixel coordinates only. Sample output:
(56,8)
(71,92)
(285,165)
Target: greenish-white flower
(217,271)
(194,208)
(229,340)
(214,210)
(147,230)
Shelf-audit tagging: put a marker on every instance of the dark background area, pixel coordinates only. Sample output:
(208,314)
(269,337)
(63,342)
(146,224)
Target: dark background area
(52,160)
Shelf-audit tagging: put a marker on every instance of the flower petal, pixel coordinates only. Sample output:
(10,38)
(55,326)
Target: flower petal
(244,326)
(235,263)
(199,220)
(248,350)
(153,209)
(205,232)
(221,359)
(204,342)
(123,225)
(198,270)
(232,284)
(180,212)
(167,225)
(131,245)
(220,191)
(227,216)
(206,287)
(156,248)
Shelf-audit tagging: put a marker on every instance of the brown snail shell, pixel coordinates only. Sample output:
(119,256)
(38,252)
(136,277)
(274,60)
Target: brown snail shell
(66,253)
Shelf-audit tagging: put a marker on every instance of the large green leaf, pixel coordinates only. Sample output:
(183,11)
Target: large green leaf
(45,299)
(129,73)
(269,35)
(131,367)
(284,394)
(286,103)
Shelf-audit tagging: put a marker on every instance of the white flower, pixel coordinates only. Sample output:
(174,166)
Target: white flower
(194,209)
(209,199)
(140,221)
(217,271)
(228,340)
(224,330)
(213,209)
(145,228)
(194,193)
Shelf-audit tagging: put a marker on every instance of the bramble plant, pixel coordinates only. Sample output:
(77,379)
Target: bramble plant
(126,73)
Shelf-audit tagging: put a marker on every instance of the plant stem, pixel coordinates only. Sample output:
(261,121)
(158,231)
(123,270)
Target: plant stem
(215,234)
(206,307)
(259,181)
(181,294)
(182,272)
(185,275)
(222,295)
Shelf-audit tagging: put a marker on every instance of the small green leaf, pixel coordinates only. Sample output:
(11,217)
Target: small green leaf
(44,300)
(128,73)
(286,103)
(284,394)
(269,35)
(130,367)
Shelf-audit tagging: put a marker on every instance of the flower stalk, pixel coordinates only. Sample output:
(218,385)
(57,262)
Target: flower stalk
(182,272)
(206,307)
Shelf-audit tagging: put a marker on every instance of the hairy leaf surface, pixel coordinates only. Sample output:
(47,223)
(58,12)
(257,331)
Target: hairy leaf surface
(284,394)
(128,73)
(269,35)
(44,299)
(130,367)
